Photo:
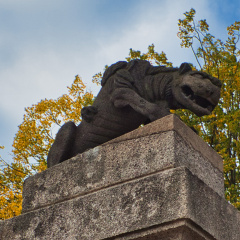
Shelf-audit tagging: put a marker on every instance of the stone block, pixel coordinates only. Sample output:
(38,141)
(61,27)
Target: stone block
(182,229)
(160,181)
(132,208)
(155,147)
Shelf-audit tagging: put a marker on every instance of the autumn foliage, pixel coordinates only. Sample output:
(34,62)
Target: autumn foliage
(31,144)
(221,130)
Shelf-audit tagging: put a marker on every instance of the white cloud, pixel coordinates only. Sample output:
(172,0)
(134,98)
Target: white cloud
(155,23)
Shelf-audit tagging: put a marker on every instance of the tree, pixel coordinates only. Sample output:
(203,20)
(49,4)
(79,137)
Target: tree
(32,142)
(221,130)
(151,55)
(10,181)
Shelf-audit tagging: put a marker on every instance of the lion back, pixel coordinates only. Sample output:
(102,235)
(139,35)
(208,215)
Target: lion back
(135,70)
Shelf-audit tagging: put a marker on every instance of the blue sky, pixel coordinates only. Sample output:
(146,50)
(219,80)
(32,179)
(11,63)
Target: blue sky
(45,43)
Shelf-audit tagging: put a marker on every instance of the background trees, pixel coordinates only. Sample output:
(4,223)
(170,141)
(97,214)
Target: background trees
(31,144)
(220,130)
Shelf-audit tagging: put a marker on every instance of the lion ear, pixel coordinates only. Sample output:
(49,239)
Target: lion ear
(185,67)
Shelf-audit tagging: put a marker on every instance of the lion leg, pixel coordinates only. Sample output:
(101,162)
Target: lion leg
(61,149)
(122,97)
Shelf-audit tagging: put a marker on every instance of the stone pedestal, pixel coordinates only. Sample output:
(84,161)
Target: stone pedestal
(157,182)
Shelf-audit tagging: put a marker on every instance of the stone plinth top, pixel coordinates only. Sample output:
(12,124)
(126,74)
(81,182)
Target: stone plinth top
(165,143)
(172,122)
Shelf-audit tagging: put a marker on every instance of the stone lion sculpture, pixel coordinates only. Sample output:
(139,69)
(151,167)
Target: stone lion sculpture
(134,93)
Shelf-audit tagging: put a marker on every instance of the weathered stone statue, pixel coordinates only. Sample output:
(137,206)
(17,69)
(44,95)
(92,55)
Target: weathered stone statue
(134,93)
